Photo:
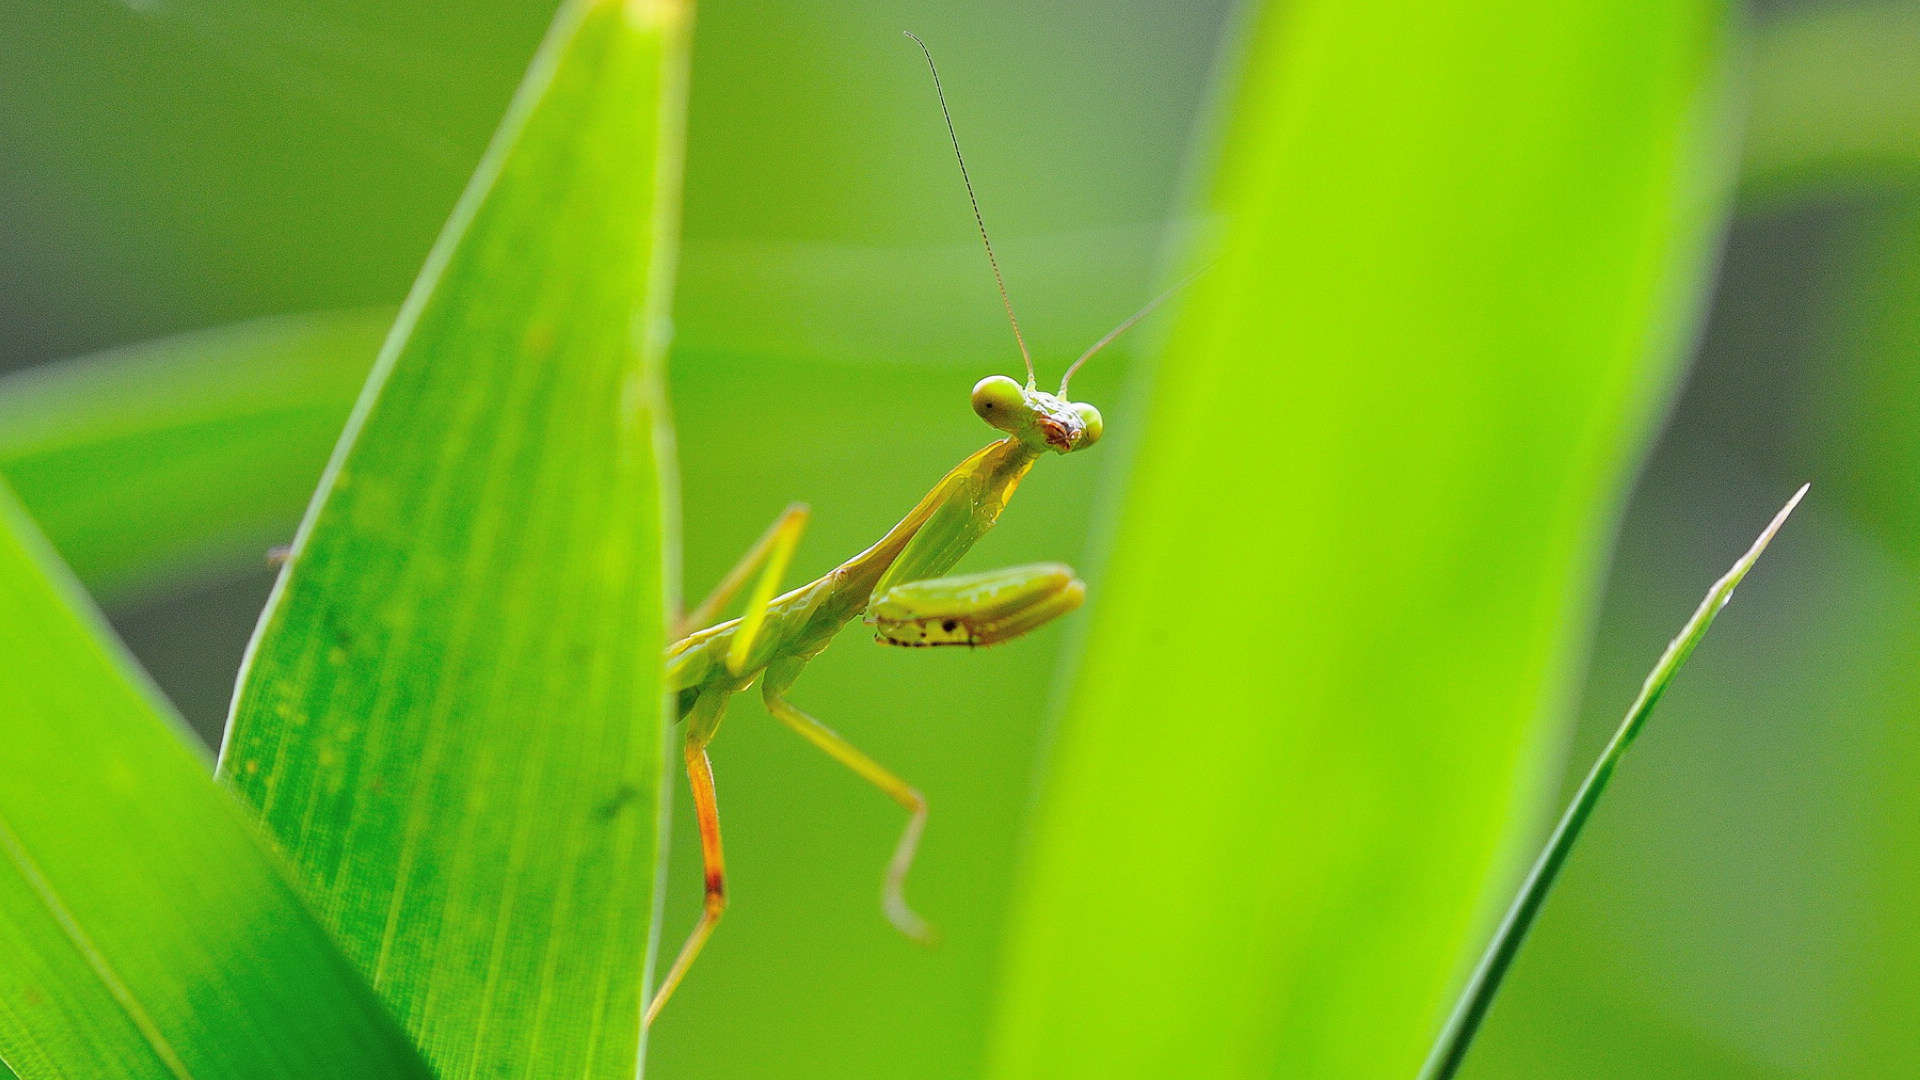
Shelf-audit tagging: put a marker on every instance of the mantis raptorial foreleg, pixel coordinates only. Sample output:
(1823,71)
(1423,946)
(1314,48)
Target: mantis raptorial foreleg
(975,609)
(779,540)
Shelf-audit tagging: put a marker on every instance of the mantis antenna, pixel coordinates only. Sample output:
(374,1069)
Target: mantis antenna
(977,219)
(1128,325)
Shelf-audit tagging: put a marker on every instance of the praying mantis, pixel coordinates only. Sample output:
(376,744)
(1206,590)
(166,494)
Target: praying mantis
(899,584)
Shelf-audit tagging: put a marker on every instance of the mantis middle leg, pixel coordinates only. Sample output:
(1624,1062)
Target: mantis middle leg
(893,898)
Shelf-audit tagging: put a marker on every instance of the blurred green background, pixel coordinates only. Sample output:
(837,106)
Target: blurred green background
(1742,904)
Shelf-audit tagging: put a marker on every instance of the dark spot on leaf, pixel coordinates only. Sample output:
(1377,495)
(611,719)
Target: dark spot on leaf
(337,630)
(622,798)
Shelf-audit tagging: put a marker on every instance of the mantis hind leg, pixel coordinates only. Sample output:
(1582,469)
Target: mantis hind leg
(893,898)
(774,548)
(700,728)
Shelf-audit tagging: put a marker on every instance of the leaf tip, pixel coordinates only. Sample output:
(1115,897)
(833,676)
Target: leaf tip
(1723,589)
(1779,519)
(656,14)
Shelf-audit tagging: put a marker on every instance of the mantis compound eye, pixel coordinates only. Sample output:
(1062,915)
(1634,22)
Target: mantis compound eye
(999,401)
(1091,426)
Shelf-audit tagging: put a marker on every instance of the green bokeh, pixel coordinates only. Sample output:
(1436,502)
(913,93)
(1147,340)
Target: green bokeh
(1741,907)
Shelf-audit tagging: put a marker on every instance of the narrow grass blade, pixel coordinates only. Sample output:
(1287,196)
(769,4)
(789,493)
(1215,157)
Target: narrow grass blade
(145,931)
(1462,252)
(452,715)
(1451,1048)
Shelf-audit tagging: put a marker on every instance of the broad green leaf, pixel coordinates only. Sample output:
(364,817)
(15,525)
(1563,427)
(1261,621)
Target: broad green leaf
(1462,254)
(183,454)
(452,715)
(145,929)
(1451,1048)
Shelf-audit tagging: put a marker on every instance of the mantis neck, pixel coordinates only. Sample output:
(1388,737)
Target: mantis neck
(946,523)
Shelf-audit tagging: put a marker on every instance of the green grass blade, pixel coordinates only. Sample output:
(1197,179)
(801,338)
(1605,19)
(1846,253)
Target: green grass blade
(452,715)
(194,452)
(145,930)
(1451,1048)
(1463,252)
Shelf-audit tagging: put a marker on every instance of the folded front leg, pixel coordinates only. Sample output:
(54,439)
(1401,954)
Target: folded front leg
(975,609)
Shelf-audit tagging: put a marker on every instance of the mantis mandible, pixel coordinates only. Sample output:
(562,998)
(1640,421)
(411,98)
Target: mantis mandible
(899,584)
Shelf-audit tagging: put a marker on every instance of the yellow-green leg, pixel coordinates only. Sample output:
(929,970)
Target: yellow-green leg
(702,721)
(777,542)
(893,899)
(775,550)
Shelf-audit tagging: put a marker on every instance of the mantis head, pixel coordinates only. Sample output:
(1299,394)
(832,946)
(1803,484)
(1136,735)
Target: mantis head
(1041,420)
